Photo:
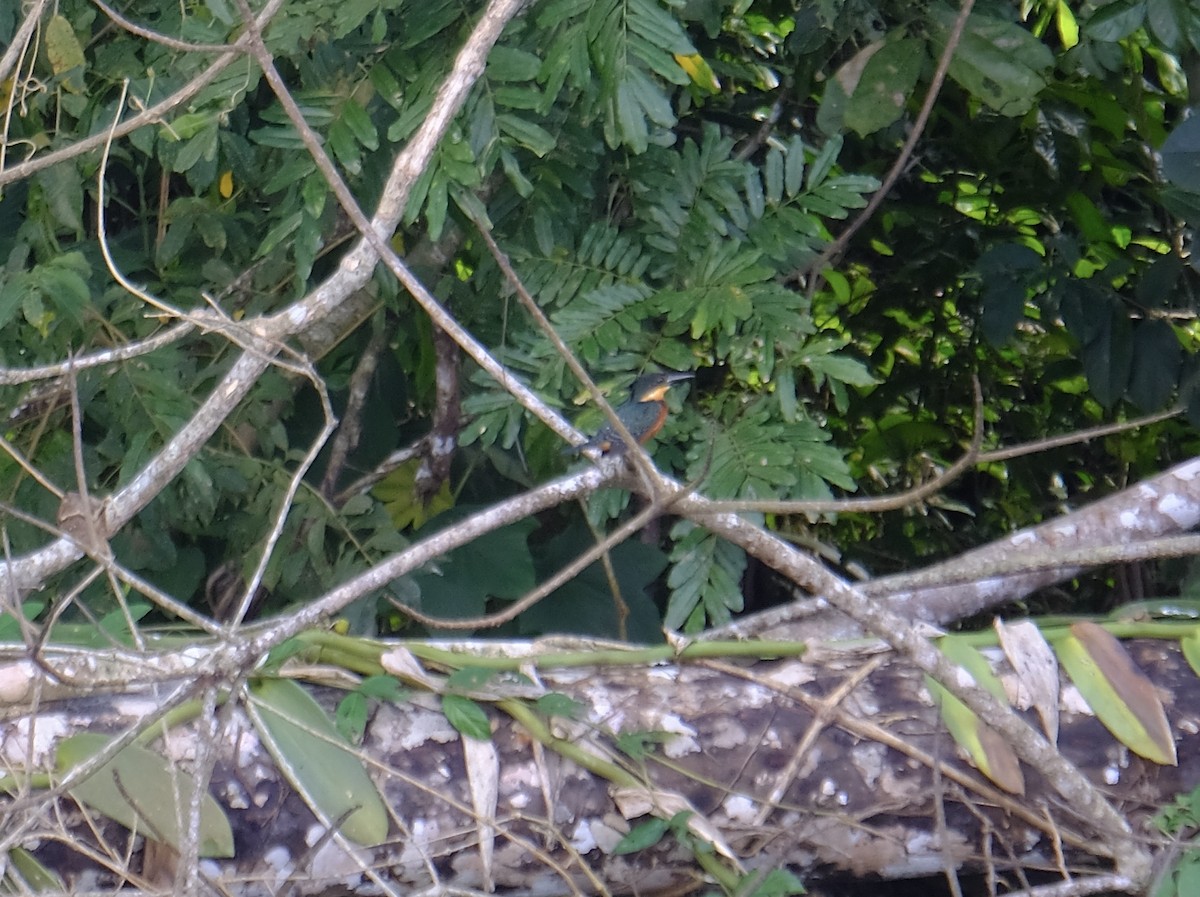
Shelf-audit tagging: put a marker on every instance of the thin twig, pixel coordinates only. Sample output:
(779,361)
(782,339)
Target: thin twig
(98,358)
(350,429)
(1053,442)
(834,249)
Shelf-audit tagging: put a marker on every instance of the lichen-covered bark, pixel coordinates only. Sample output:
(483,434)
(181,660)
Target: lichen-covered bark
(785,775)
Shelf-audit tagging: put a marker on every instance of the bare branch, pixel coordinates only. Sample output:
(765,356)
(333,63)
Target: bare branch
(98,358)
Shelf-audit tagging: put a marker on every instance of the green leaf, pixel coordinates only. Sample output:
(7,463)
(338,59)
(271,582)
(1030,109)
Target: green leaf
(1116,21)
(34,876)
(793,180)
(359,123)
(525,133)
(63,51)
(1181,155)
(467,717)
(512,64)
(1190,645)
(459,590)
(706,575)
(823,163)
(1108,358)
(586,604)
(883,90)
(778,883)
(990,753)
(1166,19)
(557,704)
(773,174)
(997,60)
(642,836)
(317,760)
(1157,359)
(146,794)
(351,717)
(1120,694)
(385,688)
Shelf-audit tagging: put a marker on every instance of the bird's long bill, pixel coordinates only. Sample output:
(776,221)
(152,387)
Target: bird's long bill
(659,391)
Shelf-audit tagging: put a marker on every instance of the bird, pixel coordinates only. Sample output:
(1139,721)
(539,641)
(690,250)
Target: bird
(643,414)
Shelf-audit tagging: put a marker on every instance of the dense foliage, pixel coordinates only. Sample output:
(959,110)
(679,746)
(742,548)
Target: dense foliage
(665,178)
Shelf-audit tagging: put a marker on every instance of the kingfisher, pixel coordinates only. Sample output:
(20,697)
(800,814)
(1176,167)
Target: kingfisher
(643,415)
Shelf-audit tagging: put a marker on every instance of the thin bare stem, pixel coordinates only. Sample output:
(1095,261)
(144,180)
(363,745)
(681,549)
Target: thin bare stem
(838,246)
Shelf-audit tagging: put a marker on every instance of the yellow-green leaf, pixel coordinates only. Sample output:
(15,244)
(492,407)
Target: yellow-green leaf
(141,790)
(1191,649)
(317,761)
(1117,691)
(699,71)
(990,753)
(63,49)
(1068,28)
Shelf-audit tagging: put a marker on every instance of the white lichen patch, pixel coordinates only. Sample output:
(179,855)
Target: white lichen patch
(32,739)
(683,739)
(582,839)
(1130,518)
(868,759)
(727,733)
(334,862)
(740,809)
(1022,538)
(1179,510)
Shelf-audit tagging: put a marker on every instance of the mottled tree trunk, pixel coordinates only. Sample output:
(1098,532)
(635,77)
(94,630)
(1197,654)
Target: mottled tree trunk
(834,767)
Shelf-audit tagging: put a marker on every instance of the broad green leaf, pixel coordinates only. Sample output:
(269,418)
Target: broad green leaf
(1116,21)
(1117,691)
(997,60)
(145,793)
(1166,20)
(385,688)
(882,91)
(1157,356)
(1180,155)
(1108,358)
(467,717)
(317,760)
(64,51)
